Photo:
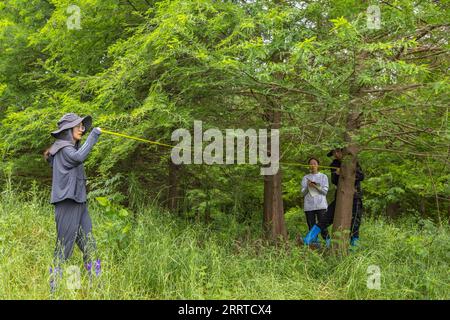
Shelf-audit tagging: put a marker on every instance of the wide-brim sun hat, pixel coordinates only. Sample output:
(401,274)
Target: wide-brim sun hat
(70,120)
(330,153)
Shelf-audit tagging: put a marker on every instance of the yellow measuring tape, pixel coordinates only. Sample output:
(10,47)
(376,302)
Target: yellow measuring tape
(136,138)
(306,165)
(170,146)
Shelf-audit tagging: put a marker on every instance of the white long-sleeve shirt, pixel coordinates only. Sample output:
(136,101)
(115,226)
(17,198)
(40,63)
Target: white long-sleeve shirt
(317,200)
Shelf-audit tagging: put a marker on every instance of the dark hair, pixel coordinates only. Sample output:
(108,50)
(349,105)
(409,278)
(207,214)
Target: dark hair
(314,158)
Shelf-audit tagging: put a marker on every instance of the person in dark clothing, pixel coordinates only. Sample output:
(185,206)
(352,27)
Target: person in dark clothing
(68,195)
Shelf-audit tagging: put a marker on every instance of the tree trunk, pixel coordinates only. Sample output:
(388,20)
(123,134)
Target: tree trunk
(422,209)
(344,201)
(346,186)
(173,196)
(274,225)
(392,210)
(448,213)
(207,207)
(273,220)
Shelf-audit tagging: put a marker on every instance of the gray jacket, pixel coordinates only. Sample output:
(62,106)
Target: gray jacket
(66,158)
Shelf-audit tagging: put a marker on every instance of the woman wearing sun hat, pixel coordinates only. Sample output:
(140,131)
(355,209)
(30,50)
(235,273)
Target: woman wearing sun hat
(68,195)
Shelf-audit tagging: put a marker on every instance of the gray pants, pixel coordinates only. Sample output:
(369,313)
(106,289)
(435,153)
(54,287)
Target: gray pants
(73,225)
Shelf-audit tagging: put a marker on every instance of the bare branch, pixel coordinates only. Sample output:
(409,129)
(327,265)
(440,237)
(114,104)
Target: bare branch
(393,88)
(395,134)
(276,85)
(132,5)
(426,56)
(419,154)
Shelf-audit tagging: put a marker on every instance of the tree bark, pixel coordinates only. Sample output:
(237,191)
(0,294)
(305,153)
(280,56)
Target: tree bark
(274,225)
(392,210)
(173,194)
(346,186)
(273,220)
(344,201)
(422,205)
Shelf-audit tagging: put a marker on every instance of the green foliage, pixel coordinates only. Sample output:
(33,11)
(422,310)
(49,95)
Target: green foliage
(118,225)
(147,69)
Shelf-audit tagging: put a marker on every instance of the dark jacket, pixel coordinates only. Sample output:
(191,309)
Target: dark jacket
(359,176)
(66,159)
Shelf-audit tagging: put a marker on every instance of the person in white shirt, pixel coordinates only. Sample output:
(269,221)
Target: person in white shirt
(314,190)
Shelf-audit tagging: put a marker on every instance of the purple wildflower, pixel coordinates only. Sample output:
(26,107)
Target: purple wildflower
(98,269)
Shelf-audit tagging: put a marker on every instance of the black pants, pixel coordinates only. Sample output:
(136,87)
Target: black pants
(357,212)
(316,217)
(73,225)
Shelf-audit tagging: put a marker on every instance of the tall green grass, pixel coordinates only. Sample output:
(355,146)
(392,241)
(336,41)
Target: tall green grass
(174,258)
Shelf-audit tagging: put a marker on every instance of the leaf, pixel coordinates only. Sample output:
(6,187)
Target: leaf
(126,229)
(123,213)
(340,22)
(103,201)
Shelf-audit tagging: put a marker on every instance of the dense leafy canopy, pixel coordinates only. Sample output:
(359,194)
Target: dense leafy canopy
(145,68)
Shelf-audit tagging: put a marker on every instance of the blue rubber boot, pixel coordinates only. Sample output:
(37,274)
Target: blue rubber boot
(316,243)
(311,237)
(354,241)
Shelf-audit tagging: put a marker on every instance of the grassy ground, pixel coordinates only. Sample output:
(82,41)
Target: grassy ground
(167,258)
